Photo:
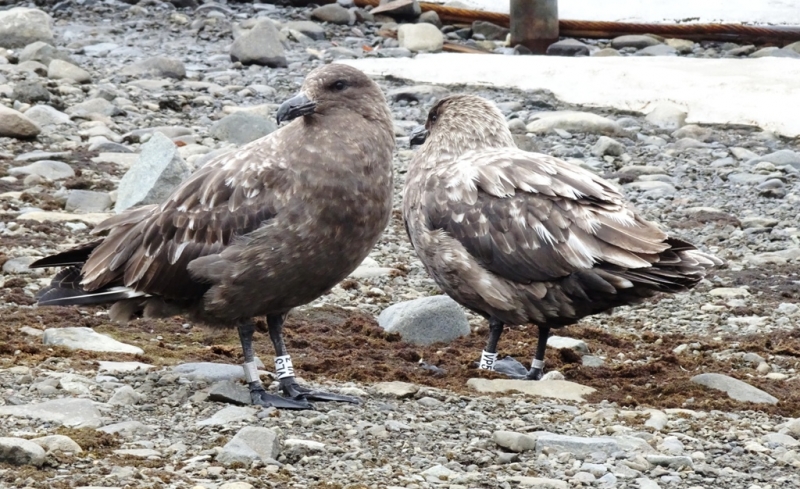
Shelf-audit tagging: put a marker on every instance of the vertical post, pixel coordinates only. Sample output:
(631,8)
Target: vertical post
(534,24)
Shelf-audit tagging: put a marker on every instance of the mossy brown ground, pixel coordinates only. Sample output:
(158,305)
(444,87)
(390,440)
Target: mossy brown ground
(333,343)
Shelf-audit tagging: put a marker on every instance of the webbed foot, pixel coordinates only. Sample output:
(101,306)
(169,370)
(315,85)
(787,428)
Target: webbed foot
(297,392)
(260,397)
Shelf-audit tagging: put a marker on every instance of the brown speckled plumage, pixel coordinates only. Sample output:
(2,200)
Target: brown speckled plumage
(261,230)
(522,237)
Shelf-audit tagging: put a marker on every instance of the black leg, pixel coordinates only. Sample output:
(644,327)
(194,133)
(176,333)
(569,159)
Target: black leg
(258,395)
(508,365)
(489,354)
(285,370)
(537,367)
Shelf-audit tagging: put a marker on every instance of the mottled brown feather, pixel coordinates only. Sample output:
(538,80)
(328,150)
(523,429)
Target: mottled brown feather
(526,237)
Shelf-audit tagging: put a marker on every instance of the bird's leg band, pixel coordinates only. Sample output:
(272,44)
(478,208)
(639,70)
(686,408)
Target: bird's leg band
(251,372)
(284,367)
(537,364)
(487,360)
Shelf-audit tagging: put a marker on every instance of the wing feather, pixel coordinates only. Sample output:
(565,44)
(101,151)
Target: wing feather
(529,217)
(148,249)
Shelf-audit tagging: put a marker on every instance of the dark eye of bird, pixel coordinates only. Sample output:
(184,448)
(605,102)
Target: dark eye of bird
(339,85)
(434,117)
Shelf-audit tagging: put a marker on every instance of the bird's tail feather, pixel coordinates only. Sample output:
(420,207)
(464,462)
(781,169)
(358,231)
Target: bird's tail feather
(74,256)
(65,289)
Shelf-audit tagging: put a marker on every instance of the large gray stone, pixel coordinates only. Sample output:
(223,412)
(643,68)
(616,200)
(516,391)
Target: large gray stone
(213,372)
(125,396)
(44,115)
(736,389)
(60,69)
(87,201)
(158,66)
(516,442)
(240,128)
(43,53)
(420,37)
(658,50)
(58,443)
(80,338)
(400,390)
(580,447)
(607,146)
(260,45)
(308,28)
(94,106)
(30,92)
(398,9)
(21,26)
(566,343)
(568,47)
(249,444)
(491,32)
(74,413)
(47,169)
(425,320)
(18,451)
(14,124)
(782,157)
(334,14)
(574,121)
(633,41)
(230,392)
(229,415)
(154,176)
(127,429)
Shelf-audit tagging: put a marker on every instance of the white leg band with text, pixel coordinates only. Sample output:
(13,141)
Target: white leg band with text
(487,360)
(284,367)
(251,372)
(537,363)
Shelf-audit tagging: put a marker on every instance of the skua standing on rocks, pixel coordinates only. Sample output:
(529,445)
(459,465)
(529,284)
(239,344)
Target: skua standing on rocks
(522,237)
(252,233)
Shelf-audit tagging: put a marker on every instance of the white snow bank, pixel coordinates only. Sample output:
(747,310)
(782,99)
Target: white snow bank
(761,91)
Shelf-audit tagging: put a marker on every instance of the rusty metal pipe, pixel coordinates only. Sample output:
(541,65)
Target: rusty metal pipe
(605,30)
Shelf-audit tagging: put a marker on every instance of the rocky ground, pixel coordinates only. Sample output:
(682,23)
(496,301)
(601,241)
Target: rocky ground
(78,107)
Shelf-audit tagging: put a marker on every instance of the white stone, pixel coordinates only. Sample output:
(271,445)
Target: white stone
(51,216)
(566,343)
(44,115)
(79,338)
(18,451)
(311,445)
(58,443)
(59,69)
(74,413)
(516,442)
(729,292)
(21,26)
(574,121)
(396,389)
(554,389)
(736,389)
(667,115)
(420,37)
(121,367)
(227,415)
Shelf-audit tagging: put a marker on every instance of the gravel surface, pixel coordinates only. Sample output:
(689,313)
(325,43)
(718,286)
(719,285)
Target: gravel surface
(74,119)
